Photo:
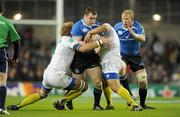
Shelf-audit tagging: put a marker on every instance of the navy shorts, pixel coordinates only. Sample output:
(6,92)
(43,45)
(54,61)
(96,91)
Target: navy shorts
(3,60)
(83,61)
(136,63)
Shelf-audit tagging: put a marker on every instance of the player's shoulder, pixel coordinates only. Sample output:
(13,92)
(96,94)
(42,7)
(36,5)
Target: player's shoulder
(118,25)
(5,20)
(79,22)
(137,24)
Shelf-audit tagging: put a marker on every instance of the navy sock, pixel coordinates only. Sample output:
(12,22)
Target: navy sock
(124,81)
(142,95)
(3,92)
(97,96)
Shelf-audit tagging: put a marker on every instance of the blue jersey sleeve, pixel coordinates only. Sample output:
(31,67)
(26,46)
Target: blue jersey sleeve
(115,26)
(140,29)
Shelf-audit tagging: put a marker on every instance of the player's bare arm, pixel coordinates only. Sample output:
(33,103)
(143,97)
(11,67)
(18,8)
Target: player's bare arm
(136,36)
(100,29)
(95,44)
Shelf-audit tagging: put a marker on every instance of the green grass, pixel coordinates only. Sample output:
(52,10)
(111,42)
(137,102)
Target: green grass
(83,108)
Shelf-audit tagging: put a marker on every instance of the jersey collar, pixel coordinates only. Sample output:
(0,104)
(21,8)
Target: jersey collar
(82,20)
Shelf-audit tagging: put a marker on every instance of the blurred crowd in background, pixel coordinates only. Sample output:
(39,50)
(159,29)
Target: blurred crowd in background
(162,59)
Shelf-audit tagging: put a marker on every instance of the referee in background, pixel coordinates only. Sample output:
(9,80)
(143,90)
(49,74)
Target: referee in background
(7,31)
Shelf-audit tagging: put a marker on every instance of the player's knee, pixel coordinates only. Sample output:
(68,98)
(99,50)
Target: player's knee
(3,78)
(113,87)
(142,78)
(143,84)
(98,84)
(2,82)
(141,75)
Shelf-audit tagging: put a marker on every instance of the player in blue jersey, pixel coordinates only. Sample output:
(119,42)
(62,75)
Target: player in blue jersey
(89,61)
(131,34)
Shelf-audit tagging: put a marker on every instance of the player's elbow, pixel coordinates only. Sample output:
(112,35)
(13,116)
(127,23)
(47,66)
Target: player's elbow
(106,27)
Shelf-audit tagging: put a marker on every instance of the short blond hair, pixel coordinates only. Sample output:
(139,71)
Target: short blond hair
(129,12)
(66,28)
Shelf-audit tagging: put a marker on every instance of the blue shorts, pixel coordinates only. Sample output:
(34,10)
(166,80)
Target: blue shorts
(83,61)
(110,76)
(136,63)
(3,60)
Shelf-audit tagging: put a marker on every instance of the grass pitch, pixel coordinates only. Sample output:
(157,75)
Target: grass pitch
(83,108)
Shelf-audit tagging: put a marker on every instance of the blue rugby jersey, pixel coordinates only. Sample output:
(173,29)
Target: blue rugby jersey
(80,28)
(128,44)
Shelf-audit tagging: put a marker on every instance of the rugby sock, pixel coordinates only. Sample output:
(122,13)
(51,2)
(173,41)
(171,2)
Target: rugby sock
(70,102)
(142,95)
(67,92)
(125,83)
(108,95)
(30,99)
(71,95)
(125,94)
(3,92)
(97,96)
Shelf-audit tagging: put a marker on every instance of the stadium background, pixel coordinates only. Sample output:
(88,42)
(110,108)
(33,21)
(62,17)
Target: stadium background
(38,32)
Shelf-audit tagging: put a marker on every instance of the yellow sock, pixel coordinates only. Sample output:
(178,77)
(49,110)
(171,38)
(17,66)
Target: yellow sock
(30,99)
(72,94)
(125,94)
(108,95)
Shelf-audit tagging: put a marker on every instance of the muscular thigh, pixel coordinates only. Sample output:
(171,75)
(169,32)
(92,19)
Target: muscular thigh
(78,76)
(95,73)
(56,79)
